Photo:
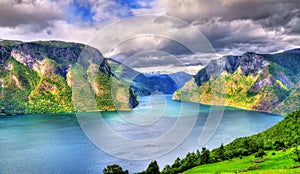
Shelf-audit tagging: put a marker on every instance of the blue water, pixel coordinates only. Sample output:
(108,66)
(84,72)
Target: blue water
(55,143)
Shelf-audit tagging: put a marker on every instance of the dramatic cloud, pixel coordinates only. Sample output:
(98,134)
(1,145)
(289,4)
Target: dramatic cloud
(230,26)
(269,12)
(236,26)
(22,12)
(243,35)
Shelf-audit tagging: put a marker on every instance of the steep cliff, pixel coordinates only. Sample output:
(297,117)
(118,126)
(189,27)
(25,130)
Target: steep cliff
(261,82)
(38,77)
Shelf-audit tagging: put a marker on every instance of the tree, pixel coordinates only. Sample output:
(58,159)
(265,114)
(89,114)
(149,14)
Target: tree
(297,153)
(278,145)
(177,163)
(153,168)
(198,158)
(167,169)
(114,169)
(205,156)
(221,153)
(260,153)
(189,161)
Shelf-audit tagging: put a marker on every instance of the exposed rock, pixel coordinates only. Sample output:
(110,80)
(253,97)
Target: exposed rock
(17,82)
(252,63)
(263,80)
(260,84)
(8,66)
(284,80)
(27,59)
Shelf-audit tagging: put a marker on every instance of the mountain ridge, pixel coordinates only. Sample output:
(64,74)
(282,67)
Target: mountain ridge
(259,82)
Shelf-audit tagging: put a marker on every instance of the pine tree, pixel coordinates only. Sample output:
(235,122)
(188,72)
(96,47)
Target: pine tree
(153,168)
(205,156)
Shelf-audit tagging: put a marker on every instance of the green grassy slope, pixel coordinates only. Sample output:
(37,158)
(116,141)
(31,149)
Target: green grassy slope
(273,162)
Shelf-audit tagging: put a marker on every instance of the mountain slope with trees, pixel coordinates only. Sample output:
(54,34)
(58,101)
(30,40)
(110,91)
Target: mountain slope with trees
(260,82)
(49,76)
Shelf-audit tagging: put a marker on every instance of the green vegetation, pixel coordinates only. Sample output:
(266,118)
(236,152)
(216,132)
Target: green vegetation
(153,168)
(271,83)
(272,162)
(18,84)
(43,82)
(101,83)
(52,94)
(114,169)
(28,91)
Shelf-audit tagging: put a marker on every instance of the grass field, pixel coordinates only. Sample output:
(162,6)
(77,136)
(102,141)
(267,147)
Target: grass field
(281,162)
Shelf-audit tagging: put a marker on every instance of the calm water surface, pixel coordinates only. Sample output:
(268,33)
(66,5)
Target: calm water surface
(56,143)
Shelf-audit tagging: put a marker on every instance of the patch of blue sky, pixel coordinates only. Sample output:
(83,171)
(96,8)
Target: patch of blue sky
(81,10)
(135,4)
(128,5)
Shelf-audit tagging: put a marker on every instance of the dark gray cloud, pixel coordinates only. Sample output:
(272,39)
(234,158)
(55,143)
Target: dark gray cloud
(241,36)
(293,26)
(242,25)
(29,12)
(267,12)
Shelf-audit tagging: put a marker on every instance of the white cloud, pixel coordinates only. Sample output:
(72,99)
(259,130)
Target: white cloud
(59,30)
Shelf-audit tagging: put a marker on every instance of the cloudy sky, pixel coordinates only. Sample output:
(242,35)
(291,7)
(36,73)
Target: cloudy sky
(230,27)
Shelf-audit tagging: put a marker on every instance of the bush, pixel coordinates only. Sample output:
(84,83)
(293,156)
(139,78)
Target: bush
(260,153)
(278,145)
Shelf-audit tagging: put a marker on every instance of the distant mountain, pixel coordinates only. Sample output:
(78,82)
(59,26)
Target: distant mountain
(146,84)
(49,77)
(180,78)
(261,82)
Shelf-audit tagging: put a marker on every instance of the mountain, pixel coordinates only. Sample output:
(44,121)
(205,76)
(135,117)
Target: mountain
(180,78)
(146,84)
(54,76)
(261,82)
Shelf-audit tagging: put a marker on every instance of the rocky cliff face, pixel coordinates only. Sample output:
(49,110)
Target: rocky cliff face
(39,77)
(252,81)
